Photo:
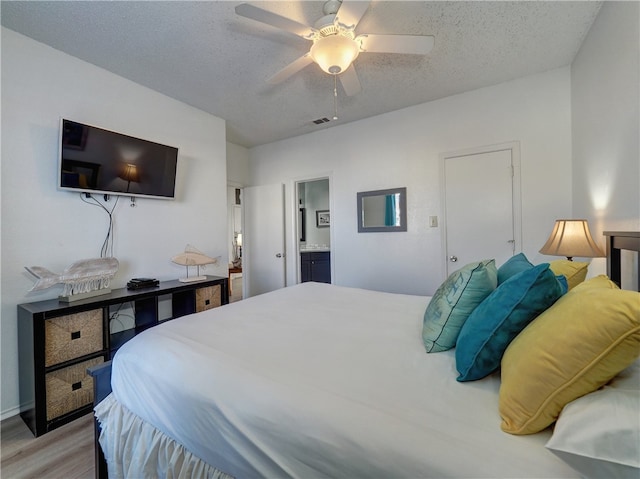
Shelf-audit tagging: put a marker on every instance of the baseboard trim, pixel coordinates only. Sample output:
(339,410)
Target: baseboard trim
(9,413)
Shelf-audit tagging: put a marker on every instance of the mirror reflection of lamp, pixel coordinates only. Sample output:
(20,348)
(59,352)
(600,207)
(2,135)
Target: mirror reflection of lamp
(237,250)
(130,173)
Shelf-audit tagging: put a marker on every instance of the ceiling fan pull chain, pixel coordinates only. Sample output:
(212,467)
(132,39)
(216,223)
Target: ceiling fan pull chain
(335,97)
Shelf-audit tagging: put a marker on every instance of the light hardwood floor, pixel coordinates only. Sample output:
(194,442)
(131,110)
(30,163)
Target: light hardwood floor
(236,288)
(64,453)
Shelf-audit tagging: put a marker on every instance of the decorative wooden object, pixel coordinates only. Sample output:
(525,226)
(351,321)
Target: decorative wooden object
(83,279)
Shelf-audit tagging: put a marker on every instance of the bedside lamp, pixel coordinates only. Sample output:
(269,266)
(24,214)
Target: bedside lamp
(130,174)
(571,238)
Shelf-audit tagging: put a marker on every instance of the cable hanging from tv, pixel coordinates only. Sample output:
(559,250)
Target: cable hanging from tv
(107,245)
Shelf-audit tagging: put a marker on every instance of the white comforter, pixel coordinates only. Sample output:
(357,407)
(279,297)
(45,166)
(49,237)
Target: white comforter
(317,380)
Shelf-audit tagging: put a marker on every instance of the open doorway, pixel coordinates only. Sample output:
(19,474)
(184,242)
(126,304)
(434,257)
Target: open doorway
(313,230)
(234,218)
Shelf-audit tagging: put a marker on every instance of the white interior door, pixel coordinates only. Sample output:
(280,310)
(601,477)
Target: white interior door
(481,206)
(263,261)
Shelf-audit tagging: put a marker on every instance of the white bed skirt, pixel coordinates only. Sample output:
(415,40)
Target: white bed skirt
(143,451)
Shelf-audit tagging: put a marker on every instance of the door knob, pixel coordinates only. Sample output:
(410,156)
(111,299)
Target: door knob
(453,259)
(279,255)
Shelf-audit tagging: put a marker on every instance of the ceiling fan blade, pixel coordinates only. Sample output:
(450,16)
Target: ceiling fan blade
(350,82)
(350,13)
(273,19)
(413,44)
(290,69)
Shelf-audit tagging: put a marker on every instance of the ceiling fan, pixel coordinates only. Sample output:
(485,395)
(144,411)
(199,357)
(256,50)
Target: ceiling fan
(335,43)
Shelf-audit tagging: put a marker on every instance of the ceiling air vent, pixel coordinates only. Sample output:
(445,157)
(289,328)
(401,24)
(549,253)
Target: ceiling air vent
(320,121)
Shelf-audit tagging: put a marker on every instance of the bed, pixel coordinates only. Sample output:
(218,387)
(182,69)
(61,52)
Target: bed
(313,380)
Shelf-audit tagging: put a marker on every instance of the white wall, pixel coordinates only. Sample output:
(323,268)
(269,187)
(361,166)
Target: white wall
(403,148)
(46,227)
(237,164)
(606,127)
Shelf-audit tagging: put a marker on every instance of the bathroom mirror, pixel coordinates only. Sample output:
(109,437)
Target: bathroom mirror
(382,210)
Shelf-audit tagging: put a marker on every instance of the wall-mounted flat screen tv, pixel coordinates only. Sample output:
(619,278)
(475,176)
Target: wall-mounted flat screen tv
(94,160)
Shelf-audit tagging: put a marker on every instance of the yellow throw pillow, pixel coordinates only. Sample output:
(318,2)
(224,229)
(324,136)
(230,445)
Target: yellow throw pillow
(596,282)
(574,271)
(576,346)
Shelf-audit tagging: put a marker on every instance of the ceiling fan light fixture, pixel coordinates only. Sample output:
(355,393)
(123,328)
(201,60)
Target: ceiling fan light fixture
(334,53)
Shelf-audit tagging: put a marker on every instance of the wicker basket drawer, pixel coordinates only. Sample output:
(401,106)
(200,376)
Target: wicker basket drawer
(207,298)
(69,388)
(72,336)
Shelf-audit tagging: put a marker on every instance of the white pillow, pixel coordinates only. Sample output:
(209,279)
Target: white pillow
(598,434)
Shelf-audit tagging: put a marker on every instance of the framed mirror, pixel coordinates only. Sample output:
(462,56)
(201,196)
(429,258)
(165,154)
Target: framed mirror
(382,210)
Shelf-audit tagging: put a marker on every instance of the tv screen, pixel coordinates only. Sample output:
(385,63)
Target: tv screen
(96,160)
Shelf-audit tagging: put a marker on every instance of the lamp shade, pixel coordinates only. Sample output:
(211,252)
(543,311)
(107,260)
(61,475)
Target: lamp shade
(334,53)
(130,173)
(571,238)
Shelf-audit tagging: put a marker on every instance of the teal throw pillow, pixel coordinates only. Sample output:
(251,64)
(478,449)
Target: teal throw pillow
(499,318)
(514,265)
(454,301)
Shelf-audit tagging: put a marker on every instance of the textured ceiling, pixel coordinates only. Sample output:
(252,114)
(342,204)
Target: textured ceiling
(205,55)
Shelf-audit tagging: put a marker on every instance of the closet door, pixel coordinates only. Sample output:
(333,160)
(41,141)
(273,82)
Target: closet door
(482,206)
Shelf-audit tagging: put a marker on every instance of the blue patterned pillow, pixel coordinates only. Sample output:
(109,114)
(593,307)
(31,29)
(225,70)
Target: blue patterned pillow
(454,301)
(499,318)
(514,265)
